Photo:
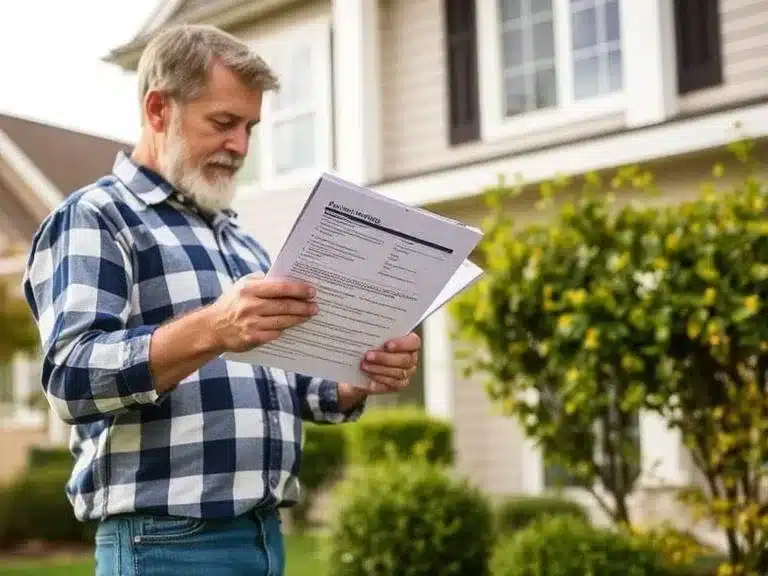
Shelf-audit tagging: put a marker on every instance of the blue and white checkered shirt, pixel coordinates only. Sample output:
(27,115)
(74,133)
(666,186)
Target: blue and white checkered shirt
(107,267)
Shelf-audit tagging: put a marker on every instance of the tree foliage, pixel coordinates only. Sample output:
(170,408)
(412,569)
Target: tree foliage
(607,309)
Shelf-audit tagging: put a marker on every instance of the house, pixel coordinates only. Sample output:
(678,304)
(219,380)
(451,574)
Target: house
(39,165)
(429,101)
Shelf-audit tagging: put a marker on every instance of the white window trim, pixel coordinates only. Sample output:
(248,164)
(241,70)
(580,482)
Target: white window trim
(320,29)
(493,124)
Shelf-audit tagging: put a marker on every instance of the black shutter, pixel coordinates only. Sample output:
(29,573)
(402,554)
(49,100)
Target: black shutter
(461,48)
(697,34)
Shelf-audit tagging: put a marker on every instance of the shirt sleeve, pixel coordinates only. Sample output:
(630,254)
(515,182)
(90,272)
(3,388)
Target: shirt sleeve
(78,284)
(320,401)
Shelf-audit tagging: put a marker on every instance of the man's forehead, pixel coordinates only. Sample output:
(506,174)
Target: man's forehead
(224,88)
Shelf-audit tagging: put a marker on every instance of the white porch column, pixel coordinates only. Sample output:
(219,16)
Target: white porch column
(661,452)
(357,89)
(439,370)
(649,60)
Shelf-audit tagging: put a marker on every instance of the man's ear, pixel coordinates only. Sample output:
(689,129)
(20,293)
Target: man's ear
(156,110)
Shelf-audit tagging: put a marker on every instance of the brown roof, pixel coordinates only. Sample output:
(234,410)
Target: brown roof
(67,158)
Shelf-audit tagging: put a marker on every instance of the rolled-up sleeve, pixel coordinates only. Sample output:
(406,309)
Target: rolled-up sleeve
(78,284)
(320,401)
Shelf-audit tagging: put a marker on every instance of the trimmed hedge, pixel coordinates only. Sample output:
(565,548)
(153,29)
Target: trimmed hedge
(567,546)
(35,507)
(409,518)
(406,431)
(517,513)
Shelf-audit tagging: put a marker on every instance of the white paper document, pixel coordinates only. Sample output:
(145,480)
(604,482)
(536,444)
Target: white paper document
(379,267)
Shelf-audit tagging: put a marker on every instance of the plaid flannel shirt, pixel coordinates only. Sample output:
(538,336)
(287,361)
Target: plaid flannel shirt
(113,262)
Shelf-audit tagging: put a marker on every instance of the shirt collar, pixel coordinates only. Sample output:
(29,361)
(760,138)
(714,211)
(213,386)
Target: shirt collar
(149,186)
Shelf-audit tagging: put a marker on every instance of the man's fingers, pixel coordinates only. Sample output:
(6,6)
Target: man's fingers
(379,370)
(280,288)
(279,322)
(408,343)
(265,307)
(381,384)
(393,360)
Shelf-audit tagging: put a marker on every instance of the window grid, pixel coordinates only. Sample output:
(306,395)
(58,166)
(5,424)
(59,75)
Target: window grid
(531,68)
(606,52)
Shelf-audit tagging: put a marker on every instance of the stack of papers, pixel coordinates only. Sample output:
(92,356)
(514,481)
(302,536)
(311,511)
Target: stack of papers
(380,268)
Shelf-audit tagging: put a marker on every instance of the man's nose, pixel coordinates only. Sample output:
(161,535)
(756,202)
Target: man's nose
(238,142)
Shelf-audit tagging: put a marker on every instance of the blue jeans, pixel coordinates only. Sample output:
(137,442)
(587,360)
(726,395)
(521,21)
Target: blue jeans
(173,546)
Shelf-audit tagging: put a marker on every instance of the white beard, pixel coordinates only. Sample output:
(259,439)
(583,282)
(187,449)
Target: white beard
(211,196)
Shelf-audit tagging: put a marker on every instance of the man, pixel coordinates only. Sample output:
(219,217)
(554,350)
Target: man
(139,283)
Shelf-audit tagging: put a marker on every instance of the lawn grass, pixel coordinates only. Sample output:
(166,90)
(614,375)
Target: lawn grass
(301,552)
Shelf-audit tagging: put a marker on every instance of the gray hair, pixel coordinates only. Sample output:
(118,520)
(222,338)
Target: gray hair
(178,60)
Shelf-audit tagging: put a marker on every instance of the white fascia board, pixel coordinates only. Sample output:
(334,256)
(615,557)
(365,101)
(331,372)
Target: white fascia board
(22,165)
(633,146)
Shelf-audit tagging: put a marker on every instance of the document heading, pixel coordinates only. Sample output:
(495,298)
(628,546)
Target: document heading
(356,213)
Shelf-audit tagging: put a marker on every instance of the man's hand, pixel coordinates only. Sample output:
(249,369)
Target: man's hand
(256,310)
(390,369)
(392,366)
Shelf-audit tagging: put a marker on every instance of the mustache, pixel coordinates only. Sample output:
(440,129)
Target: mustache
(226,159)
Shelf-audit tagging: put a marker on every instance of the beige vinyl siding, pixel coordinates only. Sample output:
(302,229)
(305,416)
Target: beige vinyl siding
(414,85)
(415,100)
(744,33)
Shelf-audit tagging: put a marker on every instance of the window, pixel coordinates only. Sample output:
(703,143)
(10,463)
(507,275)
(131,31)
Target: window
(697,36)
(292,143)
(548,62)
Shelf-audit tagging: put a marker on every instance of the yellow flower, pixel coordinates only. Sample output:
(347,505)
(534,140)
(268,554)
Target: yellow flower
(572,375)
(752,303)
(592,339)
(564,322)
(576,297)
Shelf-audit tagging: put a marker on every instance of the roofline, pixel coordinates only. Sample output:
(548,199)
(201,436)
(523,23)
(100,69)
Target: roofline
(227,17)
(39,185)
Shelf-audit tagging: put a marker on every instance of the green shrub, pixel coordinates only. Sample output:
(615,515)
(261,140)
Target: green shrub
(404,429)
(35,507)
(567,546)
(42,457)
(409,518)
(322,463)
(516,513)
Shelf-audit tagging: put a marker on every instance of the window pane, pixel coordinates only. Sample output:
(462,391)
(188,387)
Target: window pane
(513,49)
(528,56)
(596,47)
(543,41)
(612,33)
(615,70)
(515,94)
(584,29)
(539,6)
(295,69)
(294,144)
(249,171)
(510,9)
(587,77)
(301,75)
(546,88)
